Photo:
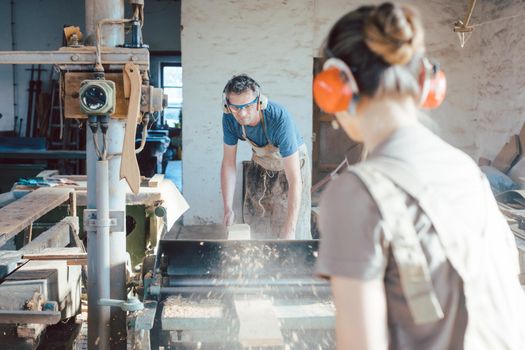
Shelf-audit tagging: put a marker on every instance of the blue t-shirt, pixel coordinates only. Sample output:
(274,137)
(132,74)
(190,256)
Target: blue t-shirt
(281,129)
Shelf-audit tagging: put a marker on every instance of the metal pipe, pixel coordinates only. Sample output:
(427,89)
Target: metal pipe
(97,10)
(102,244)
(118,254)
(93,297)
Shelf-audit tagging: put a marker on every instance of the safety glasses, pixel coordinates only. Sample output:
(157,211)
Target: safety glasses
(237,108)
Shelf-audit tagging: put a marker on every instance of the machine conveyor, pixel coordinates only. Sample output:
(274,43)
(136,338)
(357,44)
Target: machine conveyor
(227,294)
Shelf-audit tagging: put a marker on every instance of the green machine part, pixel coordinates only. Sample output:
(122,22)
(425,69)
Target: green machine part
(144,226)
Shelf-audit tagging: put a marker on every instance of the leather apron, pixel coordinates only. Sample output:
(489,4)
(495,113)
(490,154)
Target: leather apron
(266,191)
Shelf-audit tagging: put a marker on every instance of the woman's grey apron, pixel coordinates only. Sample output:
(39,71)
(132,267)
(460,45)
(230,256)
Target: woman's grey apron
(495,301)
(265,202)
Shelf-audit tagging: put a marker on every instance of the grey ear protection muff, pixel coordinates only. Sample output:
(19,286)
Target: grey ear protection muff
(225,108)
(263,102)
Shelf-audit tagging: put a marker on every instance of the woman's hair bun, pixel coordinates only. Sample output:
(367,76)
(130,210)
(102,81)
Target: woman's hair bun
(394,32)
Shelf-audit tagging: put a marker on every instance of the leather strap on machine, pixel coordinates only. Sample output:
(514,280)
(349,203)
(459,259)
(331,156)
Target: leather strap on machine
(406,248)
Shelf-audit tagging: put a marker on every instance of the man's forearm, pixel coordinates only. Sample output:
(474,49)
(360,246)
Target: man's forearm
(294,203)
(228,178)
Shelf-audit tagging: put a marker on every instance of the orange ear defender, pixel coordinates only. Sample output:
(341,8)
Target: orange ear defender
(433,85)
(335,87)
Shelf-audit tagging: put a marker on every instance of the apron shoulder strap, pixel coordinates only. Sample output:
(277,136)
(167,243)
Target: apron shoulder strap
(264,128)
(245,137)
(406,248)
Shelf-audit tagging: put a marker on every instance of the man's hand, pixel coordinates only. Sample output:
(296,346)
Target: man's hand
(287,234)
(229,217)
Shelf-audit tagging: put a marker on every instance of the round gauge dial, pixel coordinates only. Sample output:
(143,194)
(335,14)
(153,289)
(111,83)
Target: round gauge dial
(94,97)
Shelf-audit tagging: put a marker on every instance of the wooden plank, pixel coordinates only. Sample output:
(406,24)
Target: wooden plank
(239,232)
(74,178)
(258,324)
(212,231)
(57,236)
(517,172)
(156,180)
(74,262)
(16,216)
(522,137)
(508,154)
(57,254)
(313,315)
(47,173)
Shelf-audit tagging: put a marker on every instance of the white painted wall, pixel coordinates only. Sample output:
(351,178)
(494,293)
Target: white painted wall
(275,42)
(268,40)
(500,105)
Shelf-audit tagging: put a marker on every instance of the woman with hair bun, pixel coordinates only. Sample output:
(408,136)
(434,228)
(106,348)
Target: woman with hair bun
(417,252)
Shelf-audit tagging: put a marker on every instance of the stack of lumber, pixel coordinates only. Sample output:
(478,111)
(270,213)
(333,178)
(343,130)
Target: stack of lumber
(511,158)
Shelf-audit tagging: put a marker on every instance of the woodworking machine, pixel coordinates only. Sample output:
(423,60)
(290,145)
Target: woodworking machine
(235,294)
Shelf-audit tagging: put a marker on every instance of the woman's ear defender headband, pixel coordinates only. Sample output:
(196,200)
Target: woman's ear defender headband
(335,87)
(433,85)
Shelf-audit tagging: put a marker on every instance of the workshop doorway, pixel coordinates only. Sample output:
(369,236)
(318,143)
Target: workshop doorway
(166,73)
(171,82)
(329,146)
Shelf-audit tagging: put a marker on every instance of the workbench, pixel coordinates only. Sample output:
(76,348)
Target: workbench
(149,214)
(21,213)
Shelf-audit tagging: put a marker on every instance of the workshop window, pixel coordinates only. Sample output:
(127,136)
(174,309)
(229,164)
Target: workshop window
(172,85)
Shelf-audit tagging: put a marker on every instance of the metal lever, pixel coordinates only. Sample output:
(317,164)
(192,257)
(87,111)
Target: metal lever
(132,304)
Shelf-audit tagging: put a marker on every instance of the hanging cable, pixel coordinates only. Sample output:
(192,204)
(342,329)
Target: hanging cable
(98,59)
(104,126)
(93,125)
(498,19)
(145,121)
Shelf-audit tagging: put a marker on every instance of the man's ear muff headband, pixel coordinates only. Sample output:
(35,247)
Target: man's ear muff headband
(335,87)
(225,108)
(433,85)
(261,104)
